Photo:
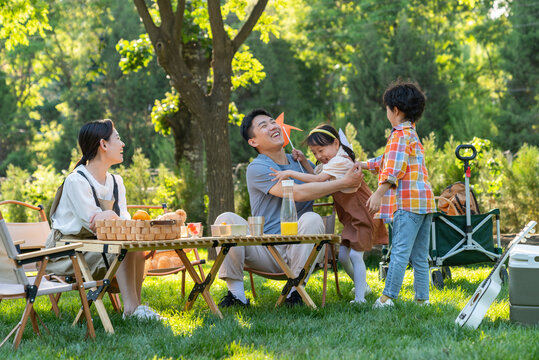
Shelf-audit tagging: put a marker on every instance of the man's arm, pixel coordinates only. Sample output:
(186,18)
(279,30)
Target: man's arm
(315,190)
(307,178)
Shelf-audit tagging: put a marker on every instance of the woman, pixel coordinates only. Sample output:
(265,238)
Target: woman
(91,193)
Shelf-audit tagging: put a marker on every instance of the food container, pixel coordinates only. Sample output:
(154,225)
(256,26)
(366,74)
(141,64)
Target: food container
(238,229)
(215,230)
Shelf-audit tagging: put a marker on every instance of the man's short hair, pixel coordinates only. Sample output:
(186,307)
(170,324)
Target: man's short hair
(245,127)
(407,97)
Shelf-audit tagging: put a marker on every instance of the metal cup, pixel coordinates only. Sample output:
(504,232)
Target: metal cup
(256,225)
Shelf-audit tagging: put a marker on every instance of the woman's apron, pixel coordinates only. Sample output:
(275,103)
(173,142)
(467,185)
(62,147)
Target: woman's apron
(98,263)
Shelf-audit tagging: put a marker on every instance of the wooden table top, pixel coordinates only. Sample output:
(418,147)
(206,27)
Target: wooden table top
(203,242)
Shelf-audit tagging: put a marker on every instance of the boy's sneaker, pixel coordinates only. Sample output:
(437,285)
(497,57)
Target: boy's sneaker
(379,304)
(294,299)
(230,300)
(423,303)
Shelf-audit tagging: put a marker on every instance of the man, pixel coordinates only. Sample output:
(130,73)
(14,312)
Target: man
(261,131)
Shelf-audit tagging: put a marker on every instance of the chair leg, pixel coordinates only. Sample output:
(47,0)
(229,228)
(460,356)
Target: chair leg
(34,321)
(325,282)
(54,304)
(199,265)
(24,320)
(335,269)
(116,302)
(183,283)
(252,284)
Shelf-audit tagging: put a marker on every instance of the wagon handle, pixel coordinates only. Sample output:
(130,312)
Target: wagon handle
(465,159)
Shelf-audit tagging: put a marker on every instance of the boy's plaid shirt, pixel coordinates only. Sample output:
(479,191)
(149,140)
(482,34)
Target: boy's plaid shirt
(403,165)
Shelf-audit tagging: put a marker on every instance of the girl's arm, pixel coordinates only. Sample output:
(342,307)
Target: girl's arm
(281,175)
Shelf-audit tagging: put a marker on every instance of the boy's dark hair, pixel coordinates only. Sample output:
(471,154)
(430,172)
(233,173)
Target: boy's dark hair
(407,97)
(322,139)
(247,121)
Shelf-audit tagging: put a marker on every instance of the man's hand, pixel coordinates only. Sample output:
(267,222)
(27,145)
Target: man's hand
(353,177)
(279,175)
(102,215)
(297,155)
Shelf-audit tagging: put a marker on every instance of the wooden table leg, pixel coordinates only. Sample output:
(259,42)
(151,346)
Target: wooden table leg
(286,269)
(100,307)
(202,286)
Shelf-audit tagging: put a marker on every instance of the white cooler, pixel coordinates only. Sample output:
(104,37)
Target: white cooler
(524,284)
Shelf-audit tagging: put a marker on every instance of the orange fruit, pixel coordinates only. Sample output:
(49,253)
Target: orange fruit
(141,215)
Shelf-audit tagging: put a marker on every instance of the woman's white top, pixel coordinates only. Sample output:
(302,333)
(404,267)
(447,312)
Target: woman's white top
(77,203)
(337,167)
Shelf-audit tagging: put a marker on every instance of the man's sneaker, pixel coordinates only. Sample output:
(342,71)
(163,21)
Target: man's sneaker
(379,304)
(422,303)
(294,299)
(230,300)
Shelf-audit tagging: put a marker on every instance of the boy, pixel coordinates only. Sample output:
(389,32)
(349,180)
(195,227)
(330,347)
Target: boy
(404,194)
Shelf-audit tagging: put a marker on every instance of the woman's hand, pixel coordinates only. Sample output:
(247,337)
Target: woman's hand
(280,175)
(102,215)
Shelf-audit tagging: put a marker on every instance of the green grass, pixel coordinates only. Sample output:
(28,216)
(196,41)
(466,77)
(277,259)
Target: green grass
(338,331)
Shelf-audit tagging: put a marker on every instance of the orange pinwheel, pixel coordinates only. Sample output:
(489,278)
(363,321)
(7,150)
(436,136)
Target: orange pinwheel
(286,128)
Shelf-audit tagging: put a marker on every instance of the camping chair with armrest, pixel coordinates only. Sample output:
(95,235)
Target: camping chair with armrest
(14,284)
(31,236)
(329,255)
(162,258)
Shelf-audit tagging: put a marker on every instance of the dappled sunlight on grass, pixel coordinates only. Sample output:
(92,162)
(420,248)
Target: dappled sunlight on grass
(242,321)
(237,351)
(183,323)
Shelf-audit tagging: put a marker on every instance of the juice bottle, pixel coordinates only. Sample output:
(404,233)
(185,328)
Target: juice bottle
(289,216)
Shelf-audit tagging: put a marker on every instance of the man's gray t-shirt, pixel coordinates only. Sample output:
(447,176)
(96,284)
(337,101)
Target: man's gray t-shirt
(259,183)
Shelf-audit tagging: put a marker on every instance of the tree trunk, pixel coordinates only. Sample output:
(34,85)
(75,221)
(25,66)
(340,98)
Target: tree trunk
(219,164)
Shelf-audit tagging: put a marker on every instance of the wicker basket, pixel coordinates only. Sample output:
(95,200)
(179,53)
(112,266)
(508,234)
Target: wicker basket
(122,230)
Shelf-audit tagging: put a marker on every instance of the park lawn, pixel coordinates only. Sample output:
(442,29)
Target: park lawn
(338,331)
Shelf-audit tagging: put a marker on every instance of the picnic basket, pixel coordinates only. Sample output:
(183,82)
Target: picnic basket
(145,230)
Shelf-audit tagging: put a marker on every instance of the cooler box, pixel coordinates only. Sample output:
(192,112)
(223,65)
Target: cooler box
(524,284)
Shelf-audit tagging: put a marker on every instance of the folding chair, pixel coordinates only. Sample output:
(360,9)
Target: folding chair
(14,284)
(329,224)
(178,265)
(34,234)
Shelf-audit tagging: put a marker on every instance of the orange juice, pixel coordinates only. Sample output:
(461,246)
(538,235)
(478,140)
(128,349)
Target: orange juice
(289,228)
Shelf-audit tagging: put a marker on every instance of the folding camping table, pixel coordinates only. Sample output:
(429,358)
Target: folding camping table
(121,248)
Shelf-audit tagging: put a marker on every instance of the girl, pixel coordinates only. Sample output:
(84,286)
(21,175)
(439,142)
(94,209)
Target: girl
(91,193)
(360,230)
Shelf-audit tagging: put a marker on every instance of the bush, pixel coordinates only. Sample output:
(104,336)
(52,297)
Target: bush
(37,189)
(520,189)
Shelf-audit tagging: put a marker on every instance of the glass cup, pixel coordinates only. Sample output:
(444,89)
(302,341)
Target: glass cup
(256,225)
(194,229)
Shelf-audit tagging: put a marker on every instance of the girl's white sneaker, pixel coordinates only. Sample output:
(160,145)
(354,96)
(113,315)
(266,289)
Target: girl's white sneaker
(379,304)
